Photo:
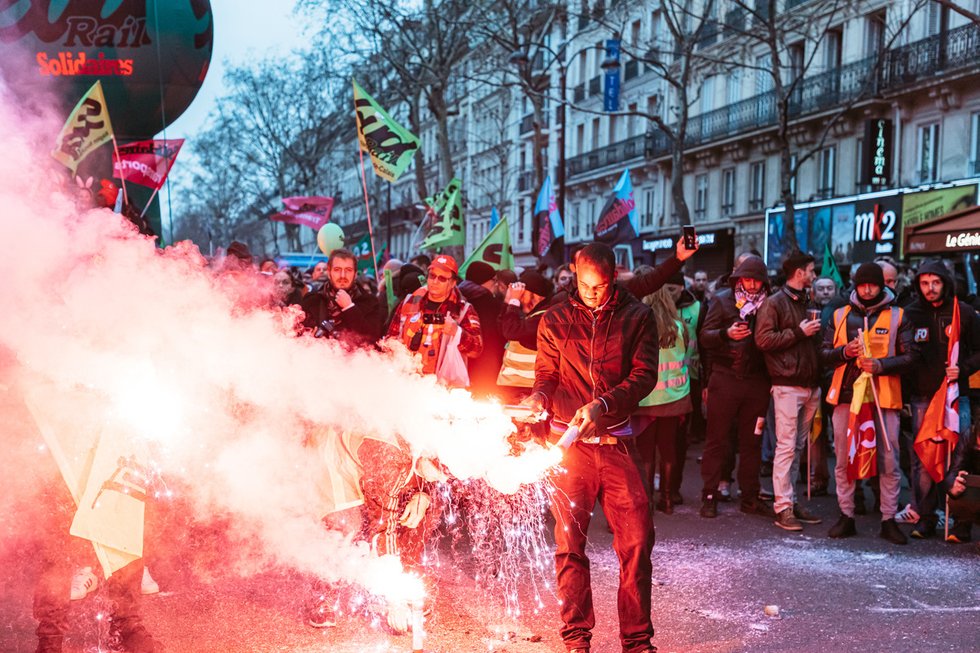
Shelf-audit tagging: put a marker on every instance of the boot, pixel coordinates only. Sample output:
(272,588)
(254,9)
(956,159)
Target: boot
(666,502)
(926,528)
(843,528)
(709,506)
(891,532)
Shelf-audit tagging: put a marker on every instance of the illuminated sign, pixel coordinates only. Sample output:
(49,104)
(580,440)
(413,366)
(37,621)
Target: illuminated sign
(877,160)
(704,240)
(964,239)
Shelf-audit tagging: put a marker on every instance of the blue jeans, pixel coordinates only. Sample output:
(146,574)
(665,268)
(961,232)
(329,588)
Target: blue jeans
(926,493)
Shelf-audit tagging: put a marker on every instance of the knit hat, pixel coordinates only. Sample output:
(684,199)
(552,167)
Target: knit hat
(677,278)
(480,272)
(537,283)
(239,250)
(869,273)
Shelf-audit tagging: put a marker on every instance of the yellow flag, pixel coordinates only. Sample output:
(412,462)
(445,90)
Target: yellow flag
(86,129)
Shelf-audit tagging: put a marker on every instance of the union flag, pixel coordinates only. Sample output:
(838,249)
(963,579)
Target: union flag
(940,430)
(862,437)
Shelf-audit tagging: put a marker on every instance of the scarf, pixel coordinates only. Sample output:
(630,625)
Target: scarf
(748,303)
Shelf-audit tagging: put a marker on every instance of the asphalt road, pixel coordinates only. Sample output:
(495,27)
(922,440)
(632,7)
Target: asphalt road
(712,581)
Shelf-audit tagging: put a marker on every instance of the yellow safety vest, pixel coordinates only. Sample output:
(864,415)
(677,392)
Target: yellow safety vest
(673,381)
(883,336)
(517,367)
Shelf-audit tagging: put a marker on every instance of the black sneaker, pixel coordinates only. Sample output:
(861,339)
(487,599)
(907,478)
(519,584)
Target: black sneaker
(891,532)
(709,507)
(843,528)
(960,532)
(758,507)
(925,529)
(805,516)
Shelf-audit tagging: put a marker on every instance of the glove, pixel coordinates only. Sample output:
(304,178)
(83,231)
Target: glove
(429,471)
(415,510)
(399,616)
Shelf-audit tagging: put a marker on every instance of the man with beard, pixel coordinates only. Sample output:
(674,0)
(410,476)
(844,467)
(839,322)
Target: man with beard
(341,309)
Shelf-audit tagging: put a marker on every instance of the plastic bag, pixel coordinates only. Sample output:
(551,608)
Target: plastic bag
(452,367)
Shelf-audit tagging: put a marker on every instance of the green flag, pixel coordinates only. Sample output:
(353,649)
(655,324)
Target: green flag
(444,216)
(362,250)
(829,267)
(494,250)
(390,145)
(390,291)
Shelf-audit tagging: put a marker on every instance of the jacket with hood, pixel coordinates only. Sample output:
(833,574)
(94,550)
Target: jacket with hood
(791,356)
(359,325)
(611,354)
(833,357)
(739,357)
(929,324)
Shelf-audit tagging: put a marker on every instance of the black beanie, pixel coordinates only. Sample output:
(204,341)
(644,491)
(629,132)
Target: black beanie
(537,283)
(677,279)
(479,272)
(869,273)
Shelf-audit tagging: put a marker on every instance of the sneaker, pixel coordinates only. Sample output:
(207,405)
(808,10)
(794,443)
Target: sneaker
(843,528)
(786,521)
(805,516)
(907,515)
(925,529)
(725,491)
(891,532)
(960,533)
(709,508)
(941,519)
(83,583)
(148,585)
(760,508)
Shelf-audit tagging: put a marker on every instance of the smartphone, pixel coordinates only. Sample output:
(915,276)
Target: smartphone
(690,237)
(741,323)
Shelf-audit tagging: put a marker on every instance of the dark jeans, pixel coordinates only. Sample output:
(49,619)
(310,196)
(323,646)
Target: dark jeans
(661,435)
(606,473)
(740,403)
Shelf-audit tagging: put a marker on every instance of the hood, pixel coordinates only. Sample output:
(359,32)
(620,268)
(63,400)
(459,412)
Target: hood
(474,292)
(936,267)
(686,299)
(752,267)
(887,297)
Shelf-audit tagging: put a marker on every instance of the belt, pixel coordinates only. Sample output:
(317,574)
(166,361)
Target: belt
(600,439)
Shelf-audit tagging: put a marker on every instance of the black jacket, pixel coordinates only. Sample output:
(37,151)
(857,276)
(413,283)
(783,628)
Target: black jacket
(484,368)
(359,325)
(929,324)
(611,353)
(791,356)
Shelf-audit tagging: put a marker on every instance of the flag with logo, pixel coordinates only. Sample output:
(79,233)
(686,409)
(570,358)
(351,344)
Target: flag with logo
(548,226)
(146,163)
(940,430)
(494,250)
(444,218)
(362,251)
(862,437)
(617,221)
(829,267)
(86,129)
(390,145)
(312,212)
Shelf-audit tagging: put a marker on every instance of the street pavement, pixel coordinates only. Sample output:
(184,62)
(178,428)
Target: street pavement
(712,582)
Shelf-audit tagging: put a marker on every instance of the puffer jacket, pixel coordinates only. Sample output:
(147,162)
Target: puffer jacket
(741,358)
(583,355)
(791,356)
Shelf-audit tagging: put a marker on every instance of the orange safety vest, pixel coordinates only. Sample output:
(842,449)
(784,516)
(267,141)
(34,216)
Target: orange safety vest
(411,321)
(883,336)
(517,367)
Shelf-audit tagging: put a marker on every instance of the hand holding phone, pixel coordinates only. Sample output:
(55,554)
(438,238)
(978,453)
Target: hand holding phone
(690,237)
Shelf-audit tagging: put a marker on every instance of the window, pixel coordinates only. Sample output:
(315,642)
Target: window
(635,34)
(796,61)
(933,17)
(576,215)
(728,192)
(708,94)
(701,196)
(595,133)
(874,41)
(763,74)
(580,139)
(792,172)
(757,194)
(974,144)
(613,126)
(858,164)
(826,182)
(521,227)
(632,122)
(733,86)
(590,219)
(649,204)
(832,49)
(928,150)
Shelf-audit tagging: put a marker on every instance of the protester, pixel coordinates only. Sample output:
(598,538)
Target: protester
(524,305)
(268,266)
(341,309)
(787,337)
(478,289)
(700,285)
(597,357)
(871,310)
(422,262)
(738,388)
(286,289)
(564,278)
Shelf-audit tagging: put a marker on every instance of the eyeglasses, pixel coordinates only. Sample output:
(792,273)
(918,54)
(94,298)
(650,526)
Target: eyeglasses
(439,277)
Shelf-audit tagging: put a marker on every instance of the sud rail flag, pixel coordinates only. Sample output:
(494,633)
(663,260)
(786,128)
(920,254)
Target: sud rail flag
(617,222)
(86,129)
(940,430)
(444,218)
(548,227)
(494,250)
(312,212)
(146,163)
(390,145)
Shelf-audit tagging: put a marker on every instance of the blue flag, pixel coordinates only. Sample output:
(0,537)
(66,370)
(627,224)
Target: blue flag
(548,225)
(494,217)
(617,222)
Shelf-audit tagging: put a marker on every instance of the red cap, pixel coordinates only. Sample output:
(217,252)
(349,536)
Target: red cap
(445,262)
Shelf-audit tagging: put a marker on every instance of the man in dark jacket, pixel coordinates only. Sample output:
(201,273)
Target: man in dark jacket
(889,352)
(931,314)
(478,288)
(597,357)
(786,336)
(738,388)
(341,309)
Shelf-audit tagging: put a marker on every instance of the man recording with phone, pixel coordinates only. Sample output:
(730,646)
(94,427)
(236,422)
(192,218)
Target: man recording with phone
(340,309)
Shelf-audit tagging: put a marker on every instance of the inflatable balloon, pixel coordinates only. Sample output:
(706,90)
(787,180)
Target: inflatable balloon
(330,237)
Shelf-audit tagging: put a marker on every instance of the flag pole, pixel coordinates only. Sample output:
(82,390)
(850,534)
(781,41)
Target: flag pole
(150,201)
(115,148)
(949,463)
(874,388)
(367,207)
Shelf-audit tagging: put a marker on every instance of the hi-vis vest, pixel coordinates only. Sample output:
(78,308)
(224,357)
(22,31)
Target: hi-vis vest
(411,322)
(673,382)
(689,315)
(517,368)
(883,336)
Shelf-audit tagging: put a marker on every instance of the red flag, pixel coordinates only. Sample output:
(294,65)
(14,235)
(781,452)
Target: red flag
(862,438)
(313,212)
(146,163)
(940,430)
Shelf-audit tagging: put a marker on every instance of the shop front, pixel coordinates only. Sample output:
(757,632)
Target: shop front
(715,256)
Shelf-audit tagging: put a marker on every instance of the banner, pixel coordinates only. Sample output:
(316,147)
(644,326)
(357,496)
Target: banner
(146,163)
(940,430)
(444,218)
(618,222)
(86,129)
(829,268)
(390,145)
(312,212)
(548,227)
(494,250)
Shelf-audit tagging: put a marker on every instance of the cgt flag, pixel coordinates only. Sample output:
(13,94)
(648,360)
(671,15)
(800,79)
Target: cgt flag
(390,145)
(829,267)
(862,441)
(146,163)
(617,222)
(444,218)
(86,129)
(548,227)
(313,212)
(494,250)
(940,430)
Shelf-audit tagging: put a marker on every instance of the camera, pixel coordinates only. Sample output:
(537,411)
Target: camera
(325,329)
(433,318)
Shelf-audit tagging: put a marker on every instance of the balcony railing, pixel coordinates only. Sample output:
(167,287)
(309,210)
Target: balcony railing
(595,85)
(578,93)
(631,70)
(615,154)
(525,180)
(527,124)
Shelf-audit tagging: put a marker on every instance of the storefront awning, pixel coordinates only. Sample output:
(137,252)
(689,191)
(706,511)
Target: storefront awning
(958,231)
